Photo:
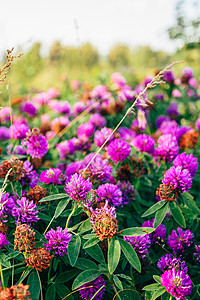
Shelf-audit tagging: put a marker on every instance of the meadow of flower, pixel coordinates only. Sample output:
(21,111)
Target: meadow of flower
(100,199)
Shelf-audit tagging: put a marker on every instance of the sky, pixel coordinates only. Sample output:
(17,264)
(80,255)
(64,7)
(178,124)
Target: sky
(74,22)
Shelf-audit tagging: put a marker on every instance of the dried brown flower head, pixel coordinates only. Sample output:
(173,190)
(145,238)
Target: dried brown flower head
(167,192)
(20,292)
(105,226)
(24,238)
(3,228)
(17,168)
(39,259)
(57,127)
(134,170)
(36,194)
(36,163)
(189,139)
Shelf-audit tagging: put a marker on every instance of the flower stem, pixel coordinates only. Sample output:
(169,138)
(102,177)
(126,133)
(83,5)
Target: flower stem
(1,274)
(71,214)
(13,189)
(17,265)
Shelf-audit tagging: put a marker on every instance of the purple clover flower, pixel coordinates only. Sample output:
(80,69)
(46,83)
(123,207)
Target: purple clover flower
(97,120)
(30,177)
(89,289)
(173,109)
(7,204)
(72,168)
(167,262)
(18,130)
(198,124)
(4,133)
(188,162)
(167,147)
(3,240)
(178,178)
(128,192)
(169,76)
(140,243)
(99,168)
(85,130)
(100,136)
(197,247)
(177,283)
(66,147)
(51,176)
(110,192)
(159,234)
(58,240)
(118,150)
(37,146)
(126,133)
(98,211)
(29,109)
(78,187)
(144,143)
(25,212)
(181,240)
(161,119)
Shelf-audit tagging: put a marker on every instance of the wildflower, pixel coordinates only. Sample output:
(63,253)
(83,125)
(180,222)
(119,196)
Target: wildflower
(3,228)
(5,113)
(18,130)
(126,133)
(144,143)
(29,176)
(18,292)
(189,139)
(25,212)
(159,235)
(167,262)
(85,131)
(50,176)
(181,240)
(36,194)
(172,110)
(4,133)
(198,124)
(3,240)
(168,76)
(110,192)
(188,162)
(167,192)
(88,290)
(39,258)
(37,145)
(197,248)
(167,147)
(140,243)
(98,169)
(128,192)
(29,109)
(24,238)
(178,178)
(97,120)
(101,136)
(17,169)
(78,187)
(57,240)
(59,124)
(177,283)
(118,150)
(66,147)
(104,221)
(161,119)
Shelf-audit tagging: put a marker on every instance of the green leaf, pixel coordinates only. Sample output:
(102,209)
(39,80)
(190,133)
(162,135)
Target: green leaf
(158,293)
(18,188)
(157,278)
(136,231)
(91,242)
(96,253)
(85,277)
(89,236)
(60,207)
(177,214)
(34,285)
(66,276)
(117,282)
(85,226)
(152,287)
(114,252)
(160,215)
(84,264)
(130,255)
(25,274)
(74,249)
(63,291)
(51,292)
(54,197)
(44,217)
(188,199)
(154,208)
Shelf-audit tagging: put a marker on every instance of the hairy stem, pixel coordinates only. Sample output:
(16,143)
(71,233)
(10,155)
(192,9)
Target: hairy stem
(71,214)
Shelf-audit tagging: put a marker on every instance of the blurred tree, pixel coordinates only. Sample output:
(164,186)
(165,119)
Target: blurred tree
(187,26)
(89,55)
(119,55)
